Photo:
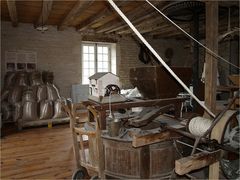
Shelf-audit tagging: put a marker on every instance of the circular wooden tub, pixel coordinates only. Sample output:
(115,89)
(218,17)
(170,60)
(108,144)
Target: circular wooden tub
(124,161)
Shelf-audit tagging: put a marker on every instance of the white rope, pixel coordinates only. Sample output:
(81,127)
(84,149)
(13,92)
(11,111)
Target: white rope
(209,50)
(158,57)
(199,125)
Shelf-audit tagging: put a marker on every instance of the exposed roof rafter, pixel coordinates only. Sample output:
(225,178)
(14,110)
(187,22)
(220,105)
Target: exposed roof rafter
(93,19)
(46,10)
(77,10)
(12,12)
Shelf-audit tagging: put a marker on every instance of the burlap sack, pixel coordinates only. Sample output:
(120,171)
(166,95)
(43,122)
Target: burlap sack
(30,111)
(46,109)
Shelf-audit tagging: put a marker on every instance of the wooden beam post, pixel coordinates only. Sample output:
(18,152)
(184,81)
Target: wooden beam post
(211,67)
(46,9)
(211,61)
(151,138)
(196,161)
(12,12)
(77,10)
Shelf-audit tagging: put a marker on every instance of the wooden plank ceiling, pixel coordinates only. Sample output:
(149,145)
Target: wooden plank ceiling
(94,16)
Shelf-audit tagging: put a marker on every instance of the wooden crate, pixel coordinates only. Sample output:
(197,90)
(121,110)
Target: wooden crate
(155,82)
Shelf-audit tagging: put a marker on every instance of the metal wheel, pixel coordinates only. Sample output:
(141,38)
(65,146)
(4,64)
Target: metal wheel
(94,177)
(230,162)
(79,174)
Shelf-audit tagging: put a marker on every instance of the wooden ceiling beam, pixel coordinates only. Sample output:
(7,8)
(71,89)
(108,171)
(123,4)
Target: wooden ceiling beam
(135,22)
(94,19)
(146,26)
(171,34)
(108,15)
(77,10)
(46,10)
(11,4)
(168,29)
(139,14)
(115,23)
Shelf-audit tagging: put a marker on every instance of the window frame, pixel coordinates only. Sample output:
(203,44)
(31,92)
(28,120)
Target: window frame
(96,53)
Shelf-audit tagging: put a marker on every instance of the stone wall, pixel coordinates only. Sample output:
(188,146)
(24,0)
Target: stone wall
(57,51)
(60,52)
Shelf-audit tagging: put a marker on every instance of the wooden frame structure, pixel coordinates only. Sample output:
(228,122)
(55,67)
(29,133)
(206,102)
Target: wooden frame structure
(84,141)
(100,111)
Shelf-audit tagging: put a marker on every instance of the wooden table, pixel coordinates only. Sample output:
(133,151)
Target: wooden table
(101,110)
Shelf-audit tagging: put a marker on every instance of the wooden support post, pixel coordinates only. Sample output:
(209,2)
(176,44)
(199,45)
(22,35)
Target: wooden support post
(211,67)
(196,161)
(211,61)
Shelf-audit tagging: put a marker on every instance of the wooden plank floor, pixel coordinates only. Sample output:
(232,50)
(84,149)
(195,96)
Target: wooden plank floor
(38,153)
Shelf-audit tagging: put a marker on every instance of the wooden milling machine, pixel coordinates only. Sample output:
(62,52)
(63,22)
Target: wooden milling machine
(155,142)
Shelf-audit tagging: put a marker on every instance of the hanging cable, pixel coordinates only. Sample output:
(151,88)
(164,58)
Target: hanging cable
(209,50)
(158,57)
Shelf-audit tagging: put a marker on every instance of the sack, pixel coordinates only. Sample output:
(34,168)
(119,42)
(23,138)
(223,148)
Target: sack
(52,92)
(29,111)
(15,95)
(58,109)
(22,79)
(18,111)
(47,77)
(9,79)
(46,109)
(4,95)
(41,93)
(35,78)
(6,111)
(28,95)
(34,90)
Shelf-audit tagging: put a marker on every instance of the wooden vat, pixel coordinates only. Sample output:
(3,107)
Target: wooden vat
(156,82)
(124,161)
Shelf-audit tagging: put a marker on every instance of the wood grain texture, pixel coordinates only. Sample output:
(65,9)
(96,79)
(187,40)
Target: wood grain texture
(196,161)
(211,63)
(211,68)
(38,153)
(12,12)
(217,134)
(79,7)
(91,18)
(148,162)
(46,10)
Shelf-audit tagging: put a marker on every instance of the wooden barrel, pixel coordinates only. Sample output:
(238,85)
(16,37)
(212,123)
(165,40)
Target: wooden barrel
(152,161)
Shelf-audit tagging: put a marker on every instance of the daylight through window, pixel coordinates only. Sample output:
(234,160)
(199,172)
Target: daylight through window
(97,57)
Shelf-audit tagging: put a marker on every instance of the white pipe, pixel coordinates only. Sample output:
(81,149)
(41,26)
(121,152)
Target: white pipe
(158,57)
